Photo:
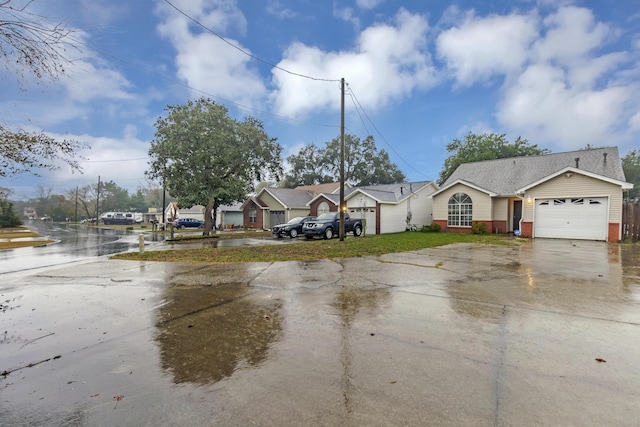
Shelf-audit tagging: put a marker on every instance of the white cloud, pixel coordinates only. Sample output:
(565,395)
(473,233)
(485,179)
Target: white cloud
(571,33)
(276,8)
(481,48)
(368,4)
(388,62)
(122,160)
(570,95)
(205,61)
(542,106)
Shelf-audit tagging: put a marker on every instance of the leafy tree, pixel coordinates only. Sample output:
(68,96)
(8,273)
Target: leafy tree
(8,217)
(205,157)
(308,167)
(364,164)
(492,146)
(631,168)
(28,42)
(113,197)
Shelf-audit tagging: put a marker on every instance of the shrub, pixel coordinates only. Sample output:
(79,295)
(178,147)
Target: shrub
(479,228)
(8,217)
(431,228)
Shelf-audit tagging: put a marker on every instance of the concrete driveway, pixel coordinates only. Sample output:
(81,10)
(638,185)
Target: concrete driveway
(542,334)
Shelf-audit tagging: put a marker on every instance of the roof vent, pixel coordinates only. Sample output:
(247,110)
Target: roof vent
(577,162)
(605,157)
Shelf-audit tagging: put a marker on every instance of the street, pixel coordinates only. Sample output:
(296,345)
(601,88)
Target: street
(541,334)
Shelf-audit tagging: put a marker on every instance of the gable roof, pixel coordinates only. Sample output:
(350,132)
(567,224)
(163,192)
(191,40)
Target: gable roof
(332,197)
(289,197)
(389,193)
(504,176)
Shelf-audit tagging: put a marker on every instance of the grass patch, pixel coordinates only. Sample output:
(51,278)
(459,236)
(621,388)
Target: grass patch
(321,249)
(15,245)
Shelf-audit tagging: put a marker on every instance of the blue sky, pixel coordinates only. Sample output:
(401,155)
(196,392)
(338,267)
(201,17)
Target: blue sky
(562,74)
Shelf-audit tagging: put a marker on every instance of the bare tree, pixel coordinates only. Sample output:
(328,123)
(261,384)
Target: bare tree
(29,42)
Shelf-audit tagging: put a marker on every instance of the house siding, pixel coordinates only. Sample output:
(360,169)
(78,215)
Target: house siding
(576,186)
(271,201)
(393,218)
(482,205)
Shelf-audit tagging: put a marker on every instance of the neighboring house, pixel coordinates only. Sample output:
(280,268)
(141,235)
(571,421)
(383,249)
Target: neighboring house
(195,212)
(272,206)
(30,212)
(230,215)
(572,195)
(384,207)
(392,208)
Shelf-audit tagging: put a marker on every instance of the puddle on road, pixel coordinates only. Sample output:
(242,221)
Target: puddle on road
(210,325)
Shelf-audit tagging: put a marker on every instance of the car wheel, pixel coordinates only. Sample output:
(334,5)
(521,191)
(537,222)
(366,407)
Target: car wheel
(182,227)
(357,231)
(293,233)
(328,233)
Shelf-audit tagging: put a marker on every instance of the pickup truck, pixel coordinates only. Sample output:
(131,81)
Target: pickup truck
(327,225)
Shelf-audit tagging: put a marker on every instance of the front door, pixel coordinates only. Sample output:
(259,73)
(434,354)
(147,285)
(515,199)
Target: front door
(517,214)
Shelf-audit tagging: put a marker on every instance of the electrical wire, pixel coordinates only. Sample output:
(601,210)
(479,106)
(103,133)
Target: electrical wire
(244,51)
(358,107)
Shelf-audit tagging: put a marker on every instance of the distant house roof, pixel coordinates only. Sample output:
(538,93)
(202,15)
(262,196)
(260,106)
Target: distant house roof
(289,197)
(389,193)
(330,187)
(504,176)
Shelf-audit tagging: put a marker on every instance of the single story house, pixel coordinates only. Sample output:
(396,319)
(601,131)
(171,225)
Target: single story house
(571,195)
(392,208)
(230,216)
(272,206)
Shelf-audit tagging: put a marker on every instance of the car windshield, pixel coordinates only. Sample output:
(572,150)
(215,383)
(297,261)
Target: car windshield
(296,220)
(325,216)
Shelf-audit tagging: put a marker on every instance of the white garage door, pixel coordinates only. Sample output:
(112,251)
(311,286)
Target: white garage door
(578,218)
(367,214)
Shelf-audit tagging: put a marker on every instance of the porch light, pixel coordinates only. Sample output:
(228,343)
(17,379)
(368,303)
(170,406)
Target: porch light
(529,201)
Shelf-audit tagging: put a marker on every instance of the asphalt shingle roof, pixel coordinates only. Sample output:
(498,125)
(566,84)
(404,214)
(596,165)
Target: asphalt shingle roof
(391,193)
(505,176)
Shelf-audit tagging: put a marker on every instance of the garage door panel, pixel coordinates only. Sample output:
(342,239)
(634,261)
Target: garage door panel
(578,218)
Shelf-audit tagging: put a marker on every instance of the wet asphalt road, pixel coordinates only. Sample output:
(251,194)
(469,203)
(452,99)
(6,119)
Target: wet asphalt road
(542,334)
(80,243)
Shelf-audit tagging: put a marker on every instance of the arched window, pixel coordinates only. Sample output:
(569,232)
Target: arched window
(323,208)
(460,211)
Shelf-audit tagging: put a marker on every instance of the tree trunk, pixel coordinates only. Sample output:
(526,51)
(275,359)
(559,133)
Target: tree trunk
(207,218)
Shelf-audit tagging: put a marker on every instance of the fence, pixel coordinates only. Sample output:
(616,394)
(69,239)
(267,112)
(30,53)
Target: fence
(631,222)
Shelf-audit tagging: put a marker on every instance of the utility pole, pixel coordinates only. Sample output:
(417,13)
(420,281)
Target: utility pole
(75,218)
(342,206)
(98,203)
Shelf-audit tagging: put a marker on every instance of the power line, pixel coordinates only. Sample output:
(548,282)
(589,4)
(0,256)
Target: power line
(359,106)
(223,100)
(245,52)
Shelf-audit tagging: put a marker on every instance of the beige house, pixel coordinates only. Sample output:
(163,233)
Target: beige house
(572,195)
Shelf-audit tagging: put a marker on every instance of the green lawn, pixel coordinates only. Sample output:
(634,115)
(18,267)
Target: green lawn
(319,249)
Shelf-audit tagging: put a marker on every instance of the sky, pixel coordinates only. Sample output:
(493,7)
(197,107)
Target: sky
(419,74)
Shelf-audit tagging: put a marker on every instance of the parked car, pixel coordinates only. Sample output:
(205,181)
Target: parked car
(183,223)
(327,225)
(292,228)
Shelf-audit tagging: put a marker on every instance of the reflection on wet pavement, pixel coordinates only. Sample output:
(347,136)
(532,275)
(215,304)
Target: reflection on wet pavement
(545,333)
(205,333)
